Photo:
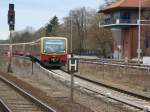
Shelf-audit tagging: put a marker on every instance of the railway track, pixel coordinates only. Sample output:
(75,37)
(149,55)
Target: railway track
(119,95)
(4,107)
(15,99)
(138,97)
(115,88)
(124,97)
(109,61)
(115,63)
(112,87)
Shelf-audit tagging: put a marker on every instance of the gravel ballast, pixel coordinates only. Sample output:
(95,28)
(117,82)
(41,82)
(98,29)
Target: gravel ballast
(57,92)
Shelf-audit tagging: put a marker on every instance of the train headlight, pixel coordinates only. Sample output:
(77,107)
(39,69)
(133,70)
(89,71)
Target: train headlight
(53,59)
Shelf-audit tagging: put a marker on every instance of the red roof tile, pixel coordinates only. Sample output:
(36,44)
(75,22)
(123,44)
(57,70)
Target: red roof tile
(127,4)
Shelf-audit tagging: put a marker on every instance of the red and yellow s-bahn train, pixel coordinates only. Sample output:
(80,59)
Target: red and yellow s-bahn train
(53,51)
(48,51)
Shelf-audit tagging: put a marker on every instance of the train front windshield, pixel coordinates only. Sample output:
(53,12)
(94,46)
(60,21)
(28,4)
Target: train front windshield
(54,46)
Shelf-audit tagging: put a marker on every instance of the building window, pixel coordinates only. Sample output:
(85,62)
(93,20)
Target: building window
(147,40)
(116,15)
(125,16)
(107,19)
(146,14)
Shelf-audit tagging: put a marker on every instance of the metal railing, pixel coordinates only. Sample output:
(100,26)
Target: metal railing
(119,21)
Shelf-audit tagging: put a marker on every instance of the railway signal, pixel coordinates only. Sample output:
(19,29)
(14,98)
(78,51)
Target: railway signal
(11,17)
(11,23)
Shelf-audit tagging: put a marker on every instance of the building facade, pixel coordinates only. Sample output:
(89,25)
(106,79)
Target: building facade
(122,18)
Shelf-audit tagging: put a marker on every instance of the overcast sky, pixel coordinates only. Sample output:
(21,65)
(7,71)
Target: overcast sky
(37,13)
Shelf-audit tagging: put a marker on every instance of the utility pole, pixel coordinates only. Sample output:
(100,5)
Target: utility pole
(71,32)
(11,23)
(139,34)
(85,27)
(82,27)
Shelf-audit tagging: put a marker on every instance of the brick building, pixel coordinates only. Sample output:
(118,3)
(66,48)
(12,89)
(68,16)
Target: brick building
(122,18)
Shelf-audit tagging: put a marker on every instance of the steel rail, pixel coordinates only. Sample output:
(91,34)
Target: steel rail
(113,88)
(109,60)
(4,106)
(117,64)
(102,94)
(107,86)
(115,99)
(40,103)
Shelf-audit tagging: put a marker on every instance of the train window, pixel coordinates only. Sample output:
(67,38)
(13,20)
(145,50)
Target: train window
(54,46)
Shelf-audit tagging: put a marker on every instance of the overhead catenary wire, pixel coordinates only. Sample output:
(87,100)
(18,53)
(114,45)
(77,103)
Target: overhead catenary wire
(26,43)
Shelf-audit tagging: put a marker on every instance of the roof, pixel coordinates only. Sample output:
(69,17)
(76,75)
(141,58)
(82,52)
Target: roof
(126,4)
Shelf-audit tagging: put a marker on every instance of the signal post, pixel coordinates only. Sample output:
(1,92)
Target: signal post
(11,23)
(72,68)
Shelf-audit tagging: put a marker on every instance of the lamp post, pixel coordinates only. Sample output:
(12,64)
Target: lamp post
(139,34)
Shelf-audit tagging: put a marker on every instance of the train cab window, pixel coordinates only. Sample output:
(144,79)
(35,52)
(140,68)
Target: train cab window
(54,46)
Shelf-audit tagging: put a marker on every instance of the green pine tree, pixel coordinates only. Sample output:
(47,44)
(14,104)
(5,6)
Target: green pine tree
(51,28)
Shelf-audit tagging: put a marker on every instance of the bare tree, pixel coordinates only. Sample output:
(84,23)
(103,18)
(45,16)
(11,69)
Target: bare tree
(86,32)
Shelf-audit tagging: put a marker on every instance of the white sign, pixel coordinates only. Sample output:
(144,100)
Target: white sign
(73,65)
